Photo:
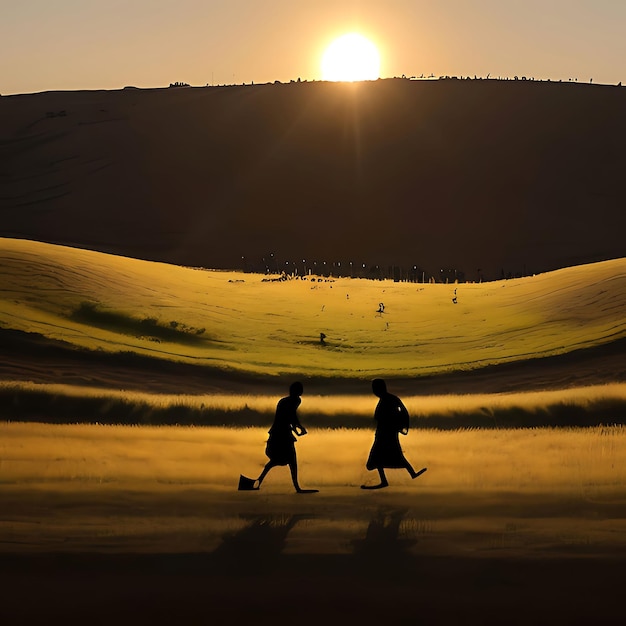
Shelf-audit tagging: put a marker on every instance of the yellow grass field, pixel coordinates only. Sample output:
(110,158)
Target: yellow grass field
(583,462)
(134,524)
(330,410)
(571,471)
(237,322)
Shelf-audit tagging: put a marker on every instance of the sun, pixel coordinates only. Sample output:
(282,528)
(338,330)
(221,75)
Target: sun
(351,57)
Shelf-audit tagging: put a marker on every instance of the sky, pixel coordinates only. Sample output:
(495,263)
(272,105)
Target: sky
(109,44)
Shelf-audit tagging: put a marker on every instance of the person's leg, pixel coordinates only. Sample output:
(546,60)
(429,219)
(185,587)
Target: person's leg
(414,474)
(383,478)
(409,469)
(293,468)
(383,481)
(266,469)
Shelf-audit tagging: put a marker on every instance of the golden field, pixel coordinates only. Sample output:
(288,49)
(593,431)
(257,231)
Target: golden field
(143,522)
(239,323)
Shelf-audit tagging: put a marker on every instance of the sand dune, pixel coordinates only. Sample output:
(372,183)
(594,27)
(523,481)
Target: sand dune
(481,177)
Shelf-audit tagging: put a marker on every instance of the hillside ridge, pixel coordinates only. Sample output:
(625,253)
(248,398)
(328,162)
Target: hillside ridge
(477,179)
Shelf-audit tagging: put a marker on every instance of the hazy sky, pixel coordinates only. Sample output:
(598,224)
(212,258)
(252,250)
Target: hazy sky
(107,44)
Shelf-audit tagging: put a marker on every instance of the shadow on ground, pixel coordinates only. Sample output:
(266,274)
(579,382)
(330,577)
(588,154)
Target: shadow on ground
(251,578)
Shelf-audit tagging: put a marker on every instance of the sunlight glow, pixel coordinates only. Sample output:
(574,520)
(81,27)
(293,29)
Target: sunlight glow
(351,57)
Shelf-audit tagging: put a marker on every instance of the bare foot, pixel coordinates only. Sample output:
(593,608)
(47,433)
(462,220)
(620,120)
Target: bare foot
(379,486)
(416,474)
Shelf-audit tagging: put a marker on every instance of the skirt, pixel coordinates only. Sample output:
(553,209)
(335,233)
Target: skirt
(386,452)
(281,450)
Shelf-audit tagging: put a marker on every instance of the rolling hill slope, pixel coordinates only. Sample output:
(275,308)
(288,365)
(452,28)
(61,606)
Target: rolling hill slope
(246,324)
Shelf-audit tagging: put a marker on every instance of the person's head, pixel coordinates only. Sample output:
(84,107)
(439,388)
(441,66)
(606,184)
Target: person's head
(379,387)
(296,389)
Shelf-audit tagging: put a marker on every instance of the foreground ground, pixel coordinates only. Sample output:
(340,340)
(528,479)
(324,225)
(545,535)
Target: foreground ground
(144,525)
(342,556)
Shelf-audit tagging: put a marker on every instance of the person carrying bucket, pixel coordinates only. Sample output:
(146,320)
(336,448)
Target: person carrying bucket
(281,449)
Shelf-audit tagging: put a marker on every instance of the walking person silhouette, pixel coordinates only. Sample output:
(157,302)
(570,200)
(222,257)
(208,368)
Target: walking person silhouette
(391,418)
(281,449)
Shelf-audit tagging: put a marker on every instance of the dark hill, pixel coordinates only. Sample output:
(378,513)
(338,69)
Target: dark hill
(513,176)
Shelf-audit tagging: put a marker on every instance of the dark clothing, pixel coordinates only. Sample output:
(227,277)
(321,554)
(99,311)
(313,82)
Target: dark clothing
(391,416)
(280,446)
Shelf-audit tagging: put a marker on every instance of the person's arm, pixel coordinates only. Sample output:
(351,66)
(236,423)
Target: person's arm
(403,417)
(297,427)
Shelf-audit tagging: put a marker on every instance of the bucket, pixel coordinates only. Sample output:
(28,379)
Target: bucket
(246,484)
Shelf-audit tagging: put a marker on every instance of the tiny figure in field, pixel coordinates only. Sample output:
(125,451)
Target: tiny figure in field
(281,449)
(322,339)
(391,418)
(381,308)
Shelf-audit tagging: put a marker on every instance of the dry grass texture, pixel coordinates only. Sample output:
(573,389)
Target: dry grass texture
(581,462)
(237,322)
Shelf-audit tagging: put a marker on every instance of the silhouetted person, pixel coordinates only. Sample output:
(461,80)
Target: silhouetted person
(281,448)
(391,418)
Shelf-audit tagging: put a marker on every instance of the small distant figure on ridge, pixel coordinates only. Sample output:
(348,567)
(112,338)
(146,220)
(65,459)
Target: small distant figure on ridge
(322,339)
(391,418)
(281,449)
